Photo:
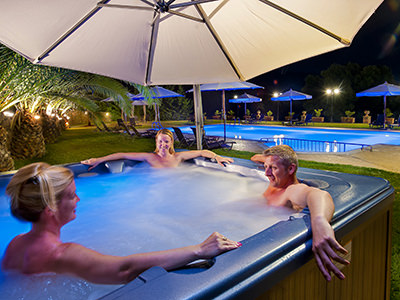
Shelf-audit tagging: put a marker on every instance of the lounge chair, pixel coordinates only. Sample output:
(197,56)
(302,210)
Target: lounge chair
(379,122)
(307,120)
(148,133)
(213,142)
(396,124)
(122,124)
(132,122)
(183,141)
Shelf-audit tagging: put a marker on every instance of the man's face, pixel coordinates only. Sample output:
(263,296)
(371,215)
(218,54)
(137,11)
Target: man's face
(276,172)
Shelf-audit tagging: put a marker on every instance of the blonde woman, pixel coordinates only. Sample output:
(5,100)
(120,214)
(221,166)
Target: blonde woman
(163,157)
(46,196)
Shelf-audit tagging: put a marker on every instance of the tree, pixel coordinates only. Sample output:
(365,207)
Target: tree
(178,108)
(350,78)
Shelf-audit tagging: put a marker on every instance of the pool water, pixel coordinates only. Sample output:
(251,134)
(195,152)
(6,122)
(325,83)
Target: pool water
(143,210)
(358,136)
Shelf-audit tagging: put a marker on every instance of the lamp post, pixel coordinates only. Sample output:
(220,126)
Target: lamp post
(276,94)
(331,93)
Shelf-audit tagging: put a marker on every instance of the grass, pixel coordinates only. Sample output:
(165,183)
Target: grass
(274,123)
(80,143)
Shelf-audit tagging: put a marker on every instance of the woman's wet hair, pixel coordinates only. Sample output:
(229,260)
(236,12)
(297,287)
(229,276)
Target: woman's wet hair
(171,135)
(285,153)
(35,187)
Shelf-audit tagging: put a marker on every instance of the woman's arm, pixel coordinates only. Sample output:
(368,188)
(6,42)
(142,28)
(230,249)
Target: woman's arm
(93,162)
(185,155)
(98,268)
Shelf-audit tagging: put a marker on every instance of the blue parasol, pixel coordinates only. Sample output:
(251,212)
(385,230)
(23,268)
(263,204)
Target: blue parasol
(291,95)
(385,89)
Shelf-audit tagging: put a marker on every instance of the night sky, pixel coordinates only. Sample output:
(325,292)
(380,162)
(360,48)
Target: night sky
(377,43)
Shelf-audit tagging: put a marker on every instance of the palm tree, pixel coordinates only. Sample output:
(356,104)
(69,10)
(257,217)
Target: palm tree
(6,161)
(31,89)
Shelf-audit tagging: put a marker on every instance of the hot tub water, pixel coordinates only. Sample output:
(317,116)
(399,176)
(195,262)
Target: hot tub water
(143,210)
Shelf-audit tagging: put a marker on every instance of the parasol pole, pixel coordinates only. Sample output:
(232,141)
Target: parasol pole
(384,111)
(198,114)
(224,113)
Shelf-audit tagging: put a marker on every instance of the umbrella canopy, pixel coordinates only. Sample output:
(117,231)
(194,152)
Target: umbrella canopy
(227,86)
(385,89)
(134,102)
(291,95)
(245,98)
(181,41)
(156,92)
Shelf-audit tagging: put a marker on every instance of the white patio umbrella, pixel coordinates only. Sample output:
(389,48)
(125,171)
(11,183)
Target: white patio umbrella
(226,86)
(385,89)
(134,103)
(179,41)
(156,92)
(291,95)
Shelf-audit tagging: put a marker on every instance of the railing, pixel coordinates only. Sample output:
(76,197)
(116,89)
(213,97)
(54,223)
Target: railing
(314,145)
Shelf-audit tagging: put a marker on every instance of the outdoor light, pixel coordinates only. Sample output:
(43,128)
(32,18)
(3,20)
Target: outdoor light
(332,92)
(235,96)
(8,113)
(36,117)
(107,114)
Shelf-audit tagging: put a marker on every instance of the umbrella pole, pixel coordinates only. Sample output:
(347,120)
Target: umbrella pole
(291,117)
(384,111)
(224,113)
(198,114)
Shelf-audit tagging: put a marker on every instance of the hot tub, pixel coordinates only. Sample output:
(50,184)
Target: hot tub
(275,260)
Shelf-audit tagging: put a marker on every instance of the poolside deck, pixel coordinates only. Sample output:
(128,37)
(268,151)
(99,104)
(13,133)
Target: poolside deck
(383,157)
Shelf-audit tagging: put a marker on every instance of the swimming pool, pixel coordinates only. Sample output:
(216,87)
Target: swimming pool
(358,136)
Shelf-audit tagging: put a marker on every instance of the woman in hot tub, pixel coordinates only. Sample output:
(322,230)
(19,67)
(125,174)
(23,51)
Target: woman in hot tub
(45,196)
(163,157)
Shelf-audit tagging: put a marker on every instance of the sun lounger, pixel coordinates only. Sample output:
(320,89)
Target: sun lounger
(213,142)
(183,141)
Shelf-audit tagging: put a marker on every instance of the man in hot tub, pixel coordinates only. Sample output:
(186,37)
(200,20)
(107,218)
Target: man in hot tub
(284,189)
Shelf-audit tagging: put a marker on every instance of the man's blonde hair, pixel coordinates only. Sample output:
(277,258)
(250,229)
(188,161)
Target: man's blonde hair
(35,187)
(285,153)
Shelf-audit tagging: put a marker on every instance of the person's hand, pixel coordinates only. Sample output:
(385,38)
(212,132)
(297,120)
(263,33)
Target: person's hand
(325,247)
(215,244)
(92,162)
(223,160)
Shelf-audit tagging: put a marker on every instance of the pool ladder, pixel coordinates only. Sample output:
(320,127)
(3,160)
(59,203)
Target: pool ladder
(313,145)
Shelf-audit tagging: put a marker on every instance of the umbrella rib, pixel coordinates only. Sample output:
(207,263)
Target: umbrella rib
(307,22)
(219,42)
(152,45)
(191,3)
(126,6)
(172,12)
(70,31)
(217,9)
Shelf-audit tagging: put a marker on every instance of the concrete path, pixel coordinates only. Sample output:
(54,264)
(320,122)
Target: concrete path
(383,157)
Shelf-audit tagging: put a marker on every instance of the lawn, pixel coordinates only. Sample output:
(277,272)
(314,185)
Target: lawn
(80,143)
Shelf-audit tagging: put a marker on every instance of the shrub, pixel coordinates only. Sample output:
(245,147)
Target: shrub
(318,112)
